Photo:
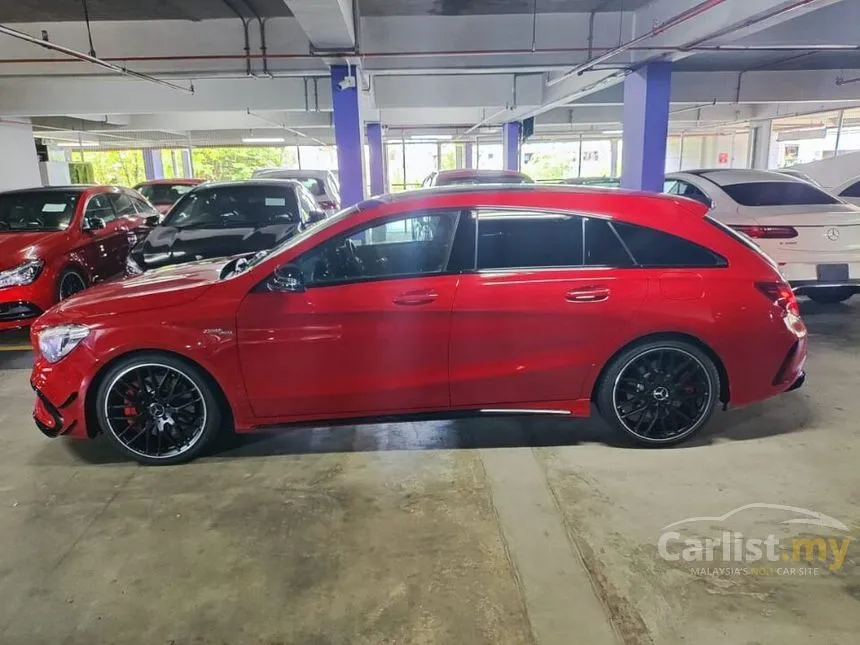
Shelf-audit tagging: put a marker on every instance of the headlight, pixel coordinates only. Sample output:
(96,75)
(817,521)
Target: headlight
(132,267)
(56,342)
(22,274)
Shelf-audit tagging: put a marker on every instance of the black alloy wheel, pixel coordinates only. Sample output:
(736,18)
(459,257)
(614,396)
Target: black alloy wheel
(659,393)
(157,409)
(71,282)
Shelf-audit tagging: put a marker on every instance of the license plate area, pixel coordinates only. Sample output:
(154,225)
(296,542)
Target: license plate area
(832,272)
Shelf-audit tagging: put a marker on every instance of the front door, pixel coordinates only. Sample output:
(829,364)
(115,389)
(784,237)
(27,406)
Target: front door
(529,325)
(370,333)
(102,250)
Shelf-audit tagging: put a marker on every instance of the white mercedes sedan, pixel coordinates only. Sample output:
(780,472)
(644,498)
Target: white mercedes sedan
(813,236)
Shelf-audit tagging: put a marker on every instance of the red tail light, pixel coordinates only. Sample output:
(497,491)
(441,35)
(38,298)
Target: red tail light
(328,205)
(768,232)
(781,295)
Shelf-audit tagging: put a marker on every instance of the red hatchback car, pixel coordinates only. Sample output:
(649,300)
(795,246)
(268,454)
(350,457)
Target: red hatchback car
(57,241)
(497,300)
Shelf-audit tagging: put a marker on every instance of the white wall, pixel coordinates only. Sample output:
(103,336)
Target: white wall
(19,165)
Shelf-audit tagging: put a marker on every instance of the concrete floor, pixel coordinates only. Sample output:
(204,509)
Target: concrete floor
(501,531)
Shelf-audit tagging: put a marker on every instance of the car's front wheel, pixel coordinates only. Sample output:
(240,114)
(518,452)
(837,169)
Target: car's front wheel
(830,295)
(659,393)
(158,409)
(71,282)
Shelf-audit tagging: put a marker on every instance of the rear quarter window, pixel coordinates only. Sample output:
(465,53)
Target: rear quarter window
(778,193)
(652,248)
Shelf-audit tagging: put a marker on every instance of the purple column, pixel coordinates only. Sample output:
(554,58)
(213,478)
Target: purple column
(152,166)
(511,144)
(468,155)
(347,136)
(377,158)
(646,126)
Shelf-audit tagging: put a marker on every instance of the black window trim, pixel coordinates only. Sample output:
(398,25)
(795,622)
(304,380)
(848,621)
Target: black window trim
(446,271)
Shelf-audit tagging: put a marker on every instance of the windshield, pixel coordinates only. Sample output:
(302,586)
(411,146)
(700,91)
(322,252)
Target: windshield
(48,210)
(235,206)
(290,242)
(778,193)
(163,193)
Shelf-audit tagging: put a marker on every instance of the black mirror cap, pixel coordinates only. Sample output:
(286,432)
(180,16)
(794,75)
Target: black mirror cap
(94,223)
(287,278)
(152,220)
(317,216)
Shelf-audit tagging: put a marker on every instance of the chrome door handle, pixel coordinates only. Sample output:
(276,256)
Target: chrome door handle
(592,293)
(413,298)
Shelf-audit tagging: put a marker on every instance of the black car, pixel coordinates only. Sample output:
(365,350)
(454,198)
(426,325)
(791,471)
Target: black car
(226,218)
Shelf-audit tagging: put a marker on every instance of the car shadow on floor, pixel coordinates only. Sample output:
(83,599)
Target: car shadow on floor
(785,415)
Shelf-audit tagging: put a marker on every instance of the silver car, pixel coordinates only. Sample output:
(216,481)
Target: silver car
(322,184)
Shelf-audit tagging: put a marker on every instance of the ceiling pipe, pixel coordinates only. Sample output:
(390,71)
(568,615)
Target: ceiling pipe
(92,59)
(674,21)
(247,37)
(262,25)
(288,129)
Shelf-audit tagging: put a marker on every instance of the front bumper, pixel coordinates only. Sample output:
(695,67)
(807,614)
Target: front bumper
(18,313)
(60,391)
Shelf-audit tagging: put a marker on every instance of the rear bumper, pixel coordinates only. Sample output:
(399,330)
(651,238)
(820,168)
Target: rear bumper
(801,287)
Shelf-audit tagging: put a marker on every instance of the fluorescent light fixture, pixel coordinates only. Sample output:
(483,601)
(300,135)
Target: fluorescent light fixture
(431,137)
(613,132)
(77,144)
(263,140)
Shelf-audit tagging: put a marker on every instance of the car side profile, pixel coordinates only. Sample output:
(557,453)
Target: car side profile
(469,300)
(60,240)
(813,236)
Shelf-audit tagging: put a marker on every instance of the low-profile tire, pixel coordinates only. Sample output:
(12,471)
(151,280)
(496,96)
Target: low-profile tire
(158,409)
(829,295)
(659,393)
(71,282)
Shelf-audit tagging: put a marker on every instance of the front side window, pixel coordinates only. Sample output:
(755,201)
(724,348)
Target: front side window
(141,205)
(510,239)
(778,193)
(411,246)
(652,248)
(122,205)
(100,206)
(37,210)
(236,206)
(852,191)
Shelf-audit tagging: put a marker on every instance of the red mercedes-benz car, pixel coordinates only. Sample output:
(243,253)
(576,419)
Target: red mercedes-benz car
(57,241)
(495,300)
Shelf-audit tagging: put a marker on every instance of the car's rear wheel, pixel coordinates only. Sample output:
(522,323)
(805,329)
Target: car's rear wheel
(158,409)
(659,393)
(830,295)
(71,282)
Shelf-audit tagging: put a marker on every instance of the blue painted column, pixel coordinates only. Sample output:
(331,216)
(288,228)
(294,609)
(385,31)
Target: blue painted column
(511,133)
(377,158)
(152,166)
(468,155)
(646,126)
(347,136)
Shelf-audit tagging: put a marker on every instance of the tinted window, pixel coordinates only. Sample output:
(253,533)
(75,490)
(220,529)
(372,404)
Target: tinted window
(122,204)
(37,210)
(409,246)
(509,240)
(602,246)
(778,193)
(235,206)
(852,191)
(689,191)
(163,193)
(99,206)
(654,248)
(141,205)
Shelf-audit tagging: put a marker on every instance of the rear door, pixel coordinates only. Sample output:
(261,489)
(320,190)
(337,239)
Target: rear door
(551,292)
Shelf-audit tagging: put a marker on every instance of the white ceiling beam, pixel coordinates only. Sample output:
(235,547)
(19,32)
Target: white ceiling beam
(329,24)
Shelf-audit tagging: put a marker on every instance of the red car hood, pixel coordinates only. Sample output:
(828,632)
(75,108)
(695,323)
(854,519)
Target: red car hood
(16,248)
(156,289)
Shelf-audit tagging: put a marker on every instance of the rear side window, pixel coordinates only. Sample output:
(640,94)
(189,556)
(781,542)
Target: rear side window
(778,193)
(852,191)
(528,240)
(652,248)
(603,247)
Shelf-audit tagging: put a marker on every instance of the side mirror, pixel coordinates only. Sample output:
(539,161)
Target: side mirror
(93,223)
(317,216)
(287,278)
(152,220)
